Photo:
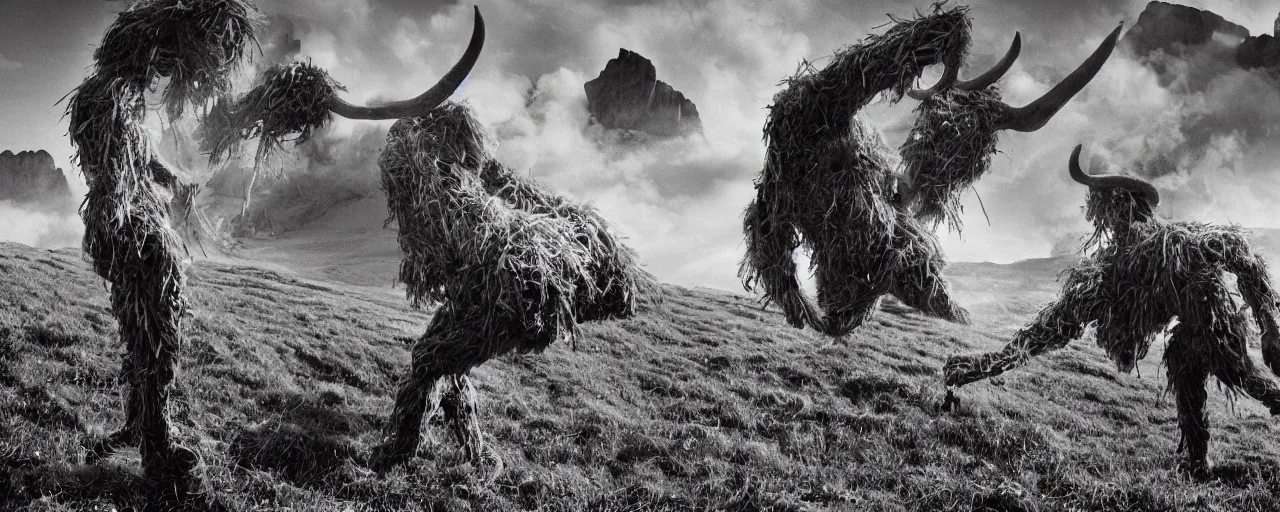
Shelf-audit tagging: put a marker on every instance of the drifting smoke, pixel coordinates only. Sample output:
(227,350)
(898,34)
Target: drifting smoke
(43,228)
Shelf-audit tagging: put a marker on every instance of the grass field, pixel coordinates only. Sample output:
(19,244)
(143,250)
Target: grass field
(707,402)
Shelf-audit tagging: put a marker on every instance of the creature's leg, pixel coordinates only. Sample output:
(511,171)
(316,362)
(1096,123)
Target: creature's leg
(451,347)
(404,428)
(1052,330)
(128,434)
(768,262)
(1188,372)
(924,289)
(156,325)
(459,406)
(846,300)
(920,284)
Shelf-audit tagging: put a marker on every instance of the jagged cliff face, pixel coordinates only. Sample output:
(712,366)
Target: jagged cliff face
(1173,28)
(1259,52)
(1178,31)
(628,96)
(31,179)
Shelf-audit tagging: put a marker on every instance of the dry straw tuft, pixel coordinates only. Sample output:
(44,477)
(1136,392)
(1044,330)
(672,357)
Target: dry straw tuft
(289,102)
(949,149)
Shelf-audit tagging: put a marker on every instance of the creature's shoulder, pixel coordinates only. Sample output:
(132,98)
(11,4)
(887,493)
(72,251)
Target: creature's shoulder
(1190,246)
(1205,235)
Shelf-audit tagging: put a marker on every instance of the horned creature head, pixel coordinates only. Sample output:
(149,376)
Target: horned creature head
(1115,201)
(292,100)
(955,134)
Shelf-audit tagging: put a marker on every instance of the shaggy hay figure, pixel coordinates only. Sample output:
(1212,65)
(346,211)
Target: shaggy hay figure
(829,181)
(127,210)
(514,267)
(1145,273)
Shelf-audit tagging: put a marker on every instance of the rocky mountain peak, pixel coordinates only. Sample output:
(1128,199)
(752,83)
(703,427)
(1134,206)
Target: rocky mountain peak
(31,178)
(1173,28)
(628,96)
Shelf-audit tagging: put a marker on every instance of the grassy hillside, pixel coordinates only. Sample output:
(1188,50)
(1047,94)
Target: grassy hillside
(705,402)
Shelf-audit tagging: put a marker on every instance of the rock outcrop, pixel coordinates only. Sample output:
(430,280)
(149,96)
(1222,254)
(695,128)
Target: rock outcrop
(1259,52)
(628,96)
(1178,30)
(31,179)
(1173,28)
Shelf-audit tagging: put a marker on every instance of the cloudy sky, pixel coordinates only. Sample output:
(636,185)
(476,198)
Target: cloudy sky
(680,202)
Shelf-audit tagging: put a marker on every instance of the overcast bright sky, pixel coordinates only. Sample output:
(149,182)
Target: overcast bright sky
(681,203)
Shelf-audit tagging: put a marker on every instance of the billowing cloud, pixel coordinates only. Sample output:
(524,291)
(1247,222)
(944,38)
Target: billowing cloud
(39,227)
(7,64)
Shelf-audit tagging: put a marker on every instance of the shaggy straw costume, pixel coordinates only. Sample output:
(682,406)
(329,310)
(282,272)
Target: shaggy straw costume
(513,267)
(829,182)
(193,43)
(1145,273)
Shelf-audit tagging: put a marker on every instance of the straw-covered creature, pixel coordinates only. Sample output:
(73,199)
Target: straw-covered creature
(194,44)
(1145,273)
(831,184)
(513,266)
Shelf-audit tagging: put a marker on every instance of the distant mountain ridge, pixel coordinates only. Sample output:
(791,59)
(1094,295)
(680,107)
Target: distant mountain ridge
(1173,28)
(1177,29)
(32,179)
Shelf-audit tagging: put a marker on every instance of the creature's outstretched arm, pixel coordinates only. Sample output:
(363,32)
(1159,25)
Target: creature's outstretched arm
(770,242)
(1254,281)
(1054,327)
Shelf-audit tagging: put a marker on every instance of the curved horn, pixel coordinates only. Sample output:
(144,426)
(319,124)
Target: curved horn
(997,71)
(428,100)
(1034,116)
(1147,190)
(948,77)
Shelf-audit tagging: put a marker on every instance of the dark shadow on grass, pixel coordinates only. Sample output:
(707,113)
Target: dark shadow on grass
(1250,470)
(46,410)
(308,442)
(30,485)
